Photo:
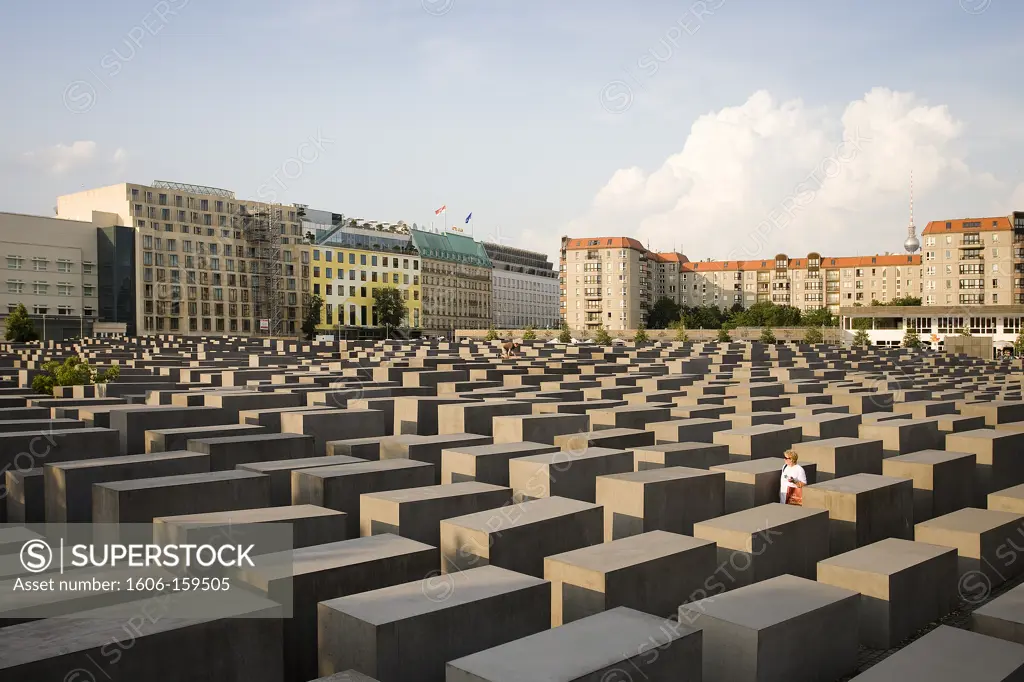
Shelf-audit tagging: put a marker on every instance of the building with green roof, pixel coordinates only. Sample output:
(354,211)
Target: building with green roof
(455,281)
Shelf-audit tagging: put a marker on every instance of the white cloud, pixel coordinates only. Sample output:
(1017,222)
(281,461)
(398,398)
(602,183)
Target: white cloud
(61,158)
(768,177)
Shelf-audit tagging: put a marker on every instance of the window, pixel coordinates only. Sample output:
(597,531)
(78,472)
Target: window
(39,288)
(14,262)
(63,265)
(64,310)
(40,309)
(39,263)
(88,291)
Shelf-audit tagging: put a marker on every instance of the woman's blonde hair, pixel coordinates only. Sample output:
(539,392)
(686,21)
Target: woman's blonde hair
(792,455)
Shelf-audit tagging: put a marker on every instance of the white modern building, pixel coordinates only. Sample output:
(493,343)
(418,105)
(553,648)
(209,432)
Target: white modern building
(525,287)
(887,325)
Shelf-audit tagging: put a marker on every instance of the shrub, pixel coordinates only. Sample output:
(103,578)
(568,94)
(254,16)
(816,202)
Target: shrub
(72,372)
(681,334)
(602,337)
(911,339)
(529,334)
(723,336)
(492,335)
(565,336)
(768,336)
(641,335)
(813,335)
(862,338)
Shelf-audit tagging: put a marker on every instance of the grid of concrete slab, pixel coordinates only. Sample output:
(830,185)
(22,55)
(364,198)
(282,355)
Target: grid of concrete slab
(575,513)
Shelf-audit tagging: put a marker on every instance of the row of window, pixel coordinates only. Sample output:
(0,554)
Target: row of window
(328,290)
(384,260)
(42,264)
(393,278)
(45,310)
(16,286)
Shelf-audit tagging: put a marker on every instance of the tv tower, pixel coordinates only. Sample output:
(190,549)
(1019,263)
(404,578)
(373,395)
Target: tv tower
(912,244)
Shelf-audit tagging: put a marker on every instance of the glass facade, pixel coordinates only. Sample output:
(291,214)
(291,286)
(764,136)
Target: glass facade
(115,253)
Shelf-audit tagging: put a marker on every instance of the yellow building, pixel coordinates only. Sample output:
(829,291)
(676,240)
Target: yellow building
(346,279)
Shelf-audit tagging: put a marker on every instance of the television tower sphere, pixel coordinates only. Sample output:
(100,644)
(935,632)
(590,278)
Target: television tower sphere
(912,244)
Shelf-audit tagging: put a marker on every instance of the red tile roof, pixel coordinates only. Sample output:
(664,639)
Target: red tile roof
(997,224)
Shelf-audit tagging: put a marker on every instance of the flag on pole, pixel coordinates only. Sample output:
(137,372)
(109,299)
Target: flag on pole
(468,218)
(441,210)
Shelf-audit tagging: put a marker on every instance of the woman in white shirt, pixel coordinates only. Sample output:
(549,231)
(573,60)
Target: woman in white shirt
(793,476)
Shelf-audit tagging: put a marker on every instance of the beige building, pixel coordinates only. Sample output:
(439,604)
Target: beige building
(605,281)
(455,281)
(50,266)
(805,283)
(206,261)
(974,261)
(614,281)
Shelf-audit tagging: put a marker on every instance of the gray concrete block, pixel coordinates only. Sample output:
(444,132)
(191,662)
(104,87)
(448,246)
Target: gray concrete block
(669,499)
(328,425)
(229,452)
(339,487)
(838,457)
(745,631)
(519,537)
(690,455)
(629,572)
(407,633)
(943,481)
(765,542)
(486,463)
(864,508)
(565,474)
(611,645)
(903,587)
(142,500)
(416,513)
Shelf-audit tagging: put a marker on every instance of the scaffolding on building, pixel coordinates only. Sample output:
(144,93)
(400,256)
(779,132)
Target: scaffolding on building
(263,244)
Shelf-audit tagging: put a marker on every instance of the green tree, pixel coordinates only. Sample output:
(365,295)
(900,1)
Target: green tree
(768,336)
(911,339)
(681,334)
(641,335)
(664,312)
(19,327)
(389,305)
(565,336)
(529,334)
(820,318)
(72,372)
(1018,345)
(602,337)
(862,338)
(813,335)
(312,316)
(723,336)
(492,334)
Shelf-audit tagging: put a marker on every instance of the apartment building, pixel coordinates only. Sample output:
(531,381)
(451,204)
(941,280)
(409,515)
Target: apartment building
(614,281)
(974,261)
(806,283)
(205,261)
(50,266)
(605,281)
(352,264)
(525,288)
(455,283)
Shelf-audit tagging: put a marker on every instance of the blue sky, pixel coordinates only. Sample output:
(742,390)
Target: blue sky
(496,108)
